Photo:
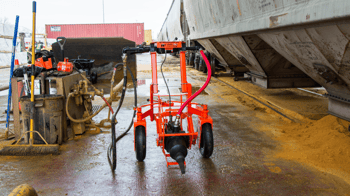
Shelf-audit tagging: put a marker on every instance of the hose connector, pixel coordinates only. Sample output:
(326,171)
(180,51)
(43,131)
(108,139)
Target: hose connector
(124,63)
(124,57)
(177,121)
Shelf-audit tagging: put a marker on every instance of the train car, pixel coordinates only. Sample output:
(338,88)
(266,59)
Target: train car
(280,43)
(172,28)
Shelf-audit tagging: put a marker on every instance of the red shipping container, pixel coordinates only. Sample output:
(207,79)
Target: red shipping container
(130,31)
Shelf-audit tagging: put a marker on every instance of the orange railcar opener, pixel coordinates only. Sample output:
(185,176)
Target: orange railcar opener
(173,137)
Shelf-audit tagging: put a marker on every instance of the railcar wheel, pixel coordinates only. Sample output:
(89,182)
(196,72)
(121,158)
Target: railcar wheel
(187,59)
(196,62)
(140,143)
(191,61)
(201,62)
(207,142)
(204,67)
(212,65)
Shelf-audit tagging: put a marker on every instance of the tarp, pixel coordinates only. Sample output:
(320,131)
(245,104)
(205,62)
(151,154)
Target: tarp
(6,46)
(6,29)
(5,58)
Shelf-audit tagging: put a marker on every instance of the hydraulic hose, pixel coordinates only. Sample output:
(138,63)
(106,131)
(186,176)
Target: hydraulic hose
(167,87)
(93,115)
(104,99)
(112,146)
(87,118)
(201,89)
(135,105)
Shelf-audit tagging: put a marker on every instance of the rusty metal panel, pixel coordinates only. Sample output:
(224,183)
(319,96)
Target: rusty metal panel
(130,31)
(15,105)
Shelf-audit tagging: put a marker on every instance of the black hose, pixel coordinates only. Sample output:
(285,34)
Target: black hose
(166,84)
(135,105)
(112,146)
(117,65)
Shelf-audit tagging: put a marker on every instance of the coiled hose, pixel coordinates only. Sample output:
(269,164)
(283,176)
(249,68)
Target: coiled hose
(94,114)
(112,147)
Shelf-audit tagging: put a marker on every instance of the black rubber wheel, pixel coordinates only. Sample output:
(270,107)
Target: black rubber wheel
(207,142)
(140,143)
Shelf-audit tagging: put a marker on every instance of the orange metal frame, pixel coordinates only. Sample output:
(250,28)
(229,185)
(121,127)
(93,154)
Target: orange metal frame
(158,109)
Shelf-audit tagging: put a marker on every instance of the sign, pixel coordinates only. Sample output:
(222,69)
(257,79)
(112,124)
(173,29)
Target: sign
(55,28)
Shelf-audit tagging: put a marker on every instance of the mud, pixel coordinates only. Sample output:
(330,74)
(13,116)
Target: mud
(244,161)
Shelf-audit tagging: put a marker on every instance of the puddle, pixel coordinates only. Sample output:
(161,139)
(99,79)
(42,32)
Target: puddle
(143,87)
(195,89)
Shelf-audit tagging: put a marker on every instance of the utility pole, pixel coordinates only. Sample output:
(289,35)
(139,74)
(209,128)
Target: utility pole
(103,10)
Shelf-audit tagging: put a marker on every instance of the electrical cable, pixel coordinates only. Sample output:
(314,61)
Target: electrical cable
(112,147)
(167,87)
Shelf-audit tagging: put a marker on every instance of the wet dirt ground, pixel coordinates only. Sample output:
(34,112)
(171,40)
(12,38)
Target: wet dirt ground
(242,162)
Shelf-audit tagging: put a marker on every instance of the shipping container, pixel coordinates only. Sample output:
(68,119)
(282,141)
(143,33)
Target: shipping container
(130,31)
(148,36)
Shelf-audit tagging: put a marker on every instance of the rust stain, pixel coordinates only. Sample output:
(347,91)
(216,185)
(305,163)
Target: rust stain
(308,17)
(275,3)
(212,14)
(274,20)
(239,9)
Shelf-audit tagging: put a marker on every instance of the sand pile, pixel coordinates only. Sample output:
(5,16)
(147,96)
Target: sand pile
(324,143)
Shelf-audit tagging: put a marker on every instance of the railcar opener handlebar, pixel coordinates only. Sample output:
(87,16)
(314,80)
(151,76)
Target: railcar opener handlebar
(160,50)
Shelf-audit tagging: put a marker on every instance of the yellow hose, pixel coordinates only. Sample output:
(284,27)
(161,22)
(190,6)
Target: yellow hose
(115,90)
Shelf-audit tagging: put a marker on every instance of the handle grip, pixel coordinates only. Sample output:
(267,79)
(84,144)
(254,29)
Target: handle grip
(34,6)
(193,48)
(59,43)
